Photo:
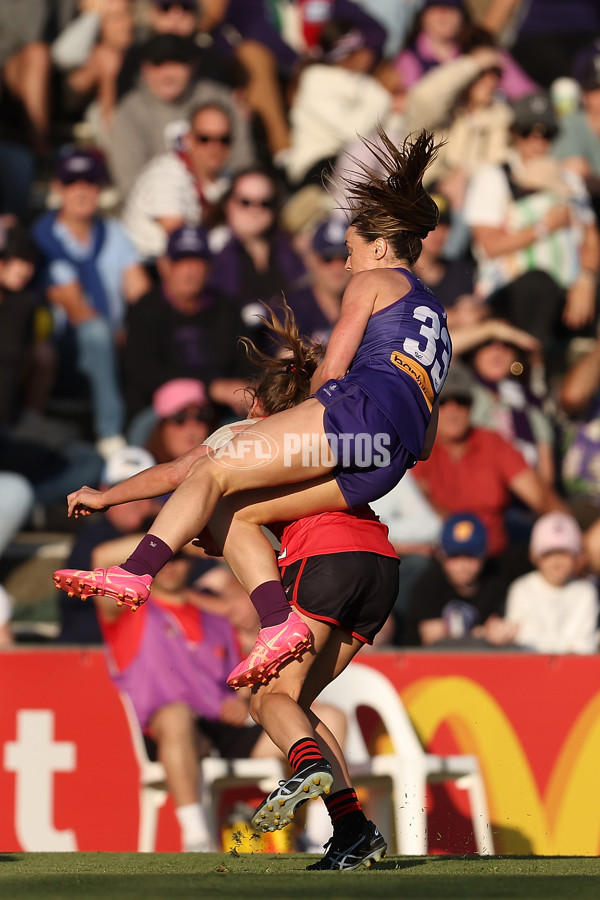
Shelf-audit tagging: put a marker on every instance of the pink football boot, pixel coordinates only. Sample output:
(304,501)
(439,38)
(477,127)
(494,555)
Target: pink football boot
(128,589)
(274,646)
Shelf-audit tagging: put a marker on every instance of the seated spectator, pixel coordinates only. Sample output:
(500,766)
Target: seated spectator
(317,304)
(187,329)
(91,50)
(6,635)
(336,98)
(413,529)
(16,502)
(553,609)
(92,271)
(254,261)
(502,397)
(547,36)
(459,101)
(534,232)
(181,187)
(451,280)
(78,622)
(25,65)
(578,141)
(184,417)
(441,32)
(172,660)
(27,359)
(471,468)
(148,119)
(180,18)
(459,591)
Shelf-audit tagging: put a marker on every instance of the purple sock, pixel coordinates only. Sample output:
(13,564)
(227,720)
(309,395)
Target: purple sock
(271,603)
(148,558)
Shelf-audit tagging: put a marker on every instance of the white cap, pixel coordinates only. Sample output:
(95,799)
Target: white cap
(126,462)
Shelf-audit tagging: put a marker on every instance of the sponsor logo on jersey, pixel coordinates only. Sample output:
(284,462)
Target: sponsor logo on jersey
(412,368)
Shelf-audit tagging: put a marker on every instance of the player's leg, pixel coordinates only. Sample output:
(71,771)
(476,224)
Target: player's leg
(314,754)
(247,465)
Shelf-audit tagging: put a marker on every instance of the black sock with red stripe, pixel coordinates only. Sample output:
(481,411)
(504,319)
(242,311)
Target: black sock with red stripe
(345,811)
(304,753)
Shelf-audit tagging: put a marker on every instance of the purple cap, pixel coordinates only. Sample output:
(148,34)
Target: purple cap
(81,165)
(190,241)
(329,240)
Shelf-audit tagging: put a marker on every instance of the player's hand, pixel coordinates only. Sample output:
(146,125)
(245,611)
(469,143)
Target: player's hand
(85,501)
(207,543)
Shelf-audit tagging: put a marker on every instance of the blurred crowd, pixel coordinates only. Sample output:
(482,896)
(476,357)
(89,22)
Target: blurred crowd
(168,166)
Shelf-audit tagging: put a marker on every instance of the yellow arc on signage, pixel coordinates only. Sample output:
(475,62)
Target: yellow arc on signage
(567,820)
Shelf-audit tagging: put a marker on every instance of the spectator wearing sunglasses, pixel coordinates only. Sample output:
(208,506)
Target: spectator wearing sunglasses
(148,120)
(181,186)
(187,330)
(254,260)
(184,418)
(534,232)
(92,272)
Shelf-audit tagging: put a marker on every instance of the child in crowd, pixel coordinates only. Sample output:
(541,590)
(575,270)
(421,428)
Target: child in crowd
(461,592)
(555,610)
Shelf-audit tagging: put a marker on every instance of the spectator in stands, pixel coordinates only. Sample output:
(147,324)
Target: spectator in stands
(579,405)
(25,65)
(78,622)
(254,261)
(148,120)
(414,529)
(553,609)
(91,50)
(441,33)
(337,97)
(26,356)
(534,232)
(460,101)
(578,142)
(451,280)
(6,636)
(182,186)
(477,470)
(187,329)
(546,36)
(316,304)
(16,503)
(460,590)
(502,397)
(180,18)
(172,661)
(184,418)
(92,271)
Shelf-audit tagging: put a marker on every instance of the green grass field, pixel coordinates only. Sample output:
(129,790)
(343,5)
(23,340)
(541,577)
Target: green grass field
(134,876)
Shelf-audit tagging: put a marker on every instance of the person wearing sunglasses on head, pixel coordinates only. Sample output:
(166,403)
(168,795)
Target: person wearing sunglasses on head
(534,232)
(183,185)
